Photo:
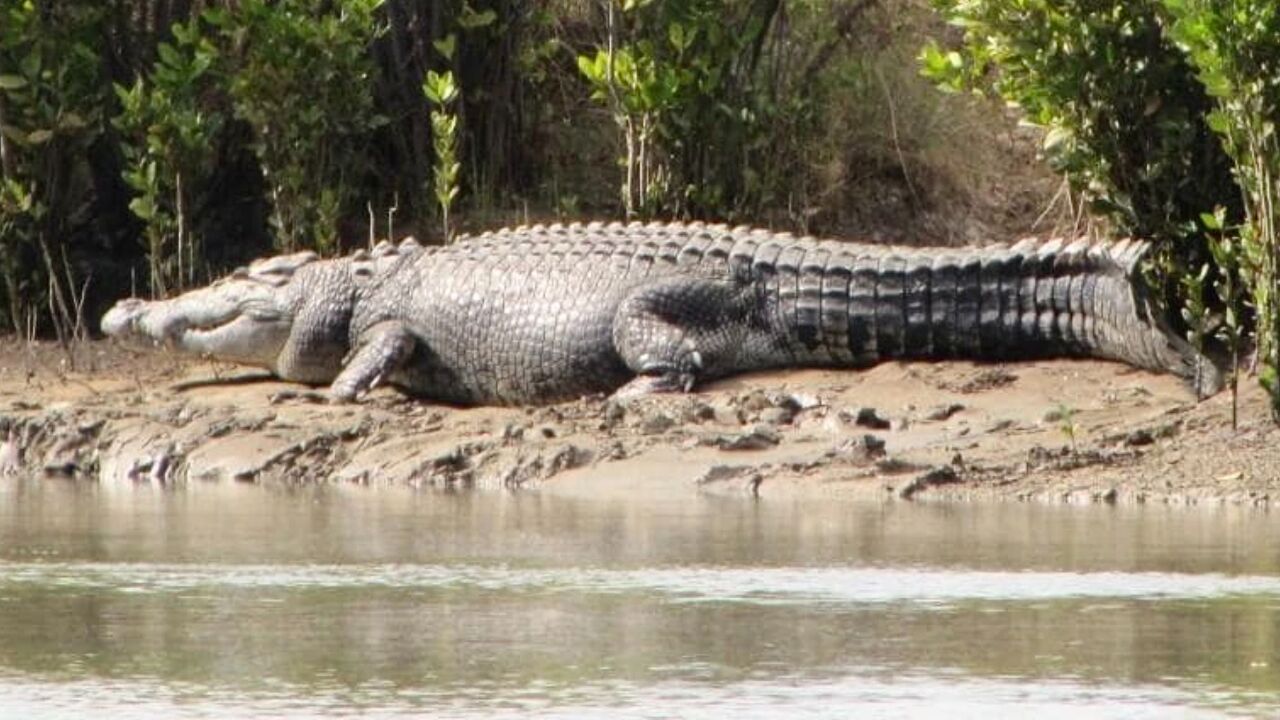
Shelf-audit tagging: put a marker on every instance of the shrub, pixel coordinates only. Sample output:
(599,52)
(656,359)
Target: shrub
(1124,116)
(1235,48)
(51,111)
(169,125)
(703,93)
(303,81)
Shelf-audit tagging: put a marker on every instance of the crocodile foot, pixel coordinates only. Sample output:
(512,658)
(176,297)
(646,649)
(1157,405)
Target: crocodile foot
(643,385)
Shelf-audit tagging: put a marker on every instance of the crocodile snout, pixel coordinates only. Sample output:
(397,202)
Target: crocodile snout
(120,320)
(135,319)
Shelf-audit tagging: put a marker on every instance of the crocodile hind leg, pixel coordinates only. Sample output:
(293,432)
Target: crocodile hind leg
(677,332)
(379,351)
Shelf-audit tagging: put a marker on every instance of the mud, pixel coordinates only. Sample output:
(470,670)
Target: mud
(1075,431)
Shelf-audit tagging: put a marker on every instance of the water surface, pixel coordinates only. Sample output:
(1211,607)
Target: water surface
(238,601)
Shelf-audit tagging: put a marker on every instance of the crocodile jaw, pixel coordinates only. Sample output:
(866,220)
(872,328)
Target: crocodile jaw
(224,326)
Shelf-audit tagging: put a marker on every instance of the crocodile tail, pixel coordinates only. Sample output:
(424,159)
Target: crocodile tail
(1027,300)
(1141,328)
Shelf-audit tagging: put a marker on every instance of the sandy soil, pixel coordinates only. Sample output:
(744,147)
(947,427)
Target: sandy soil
(1061,430)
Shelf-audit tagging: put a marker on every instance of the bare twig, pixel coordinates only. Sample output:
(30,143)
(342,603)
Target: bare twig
(897,145)
(79,331)
(1053,203)
(391,217)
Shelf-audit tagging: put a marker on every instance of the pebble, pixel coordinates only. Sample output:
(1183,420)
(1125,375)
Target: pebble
(777,416)
(868,418)
(758,438)
(657,423)
(943,412)
(726,415)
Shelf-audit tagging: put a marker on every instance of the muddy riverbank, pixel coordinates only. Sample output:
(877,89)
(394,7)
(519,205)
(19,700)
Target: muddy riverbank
(1061,431)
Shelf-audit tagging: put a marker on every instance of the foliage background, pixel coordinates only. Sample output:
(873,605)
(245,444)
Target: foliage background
(151,144)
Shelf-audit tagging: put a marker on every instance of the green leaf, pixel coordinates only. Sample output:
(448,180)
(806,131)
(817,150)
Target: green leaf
(446,46)
(71,121)
(587,67)
(675,33)
(168,55)
(1219,122)
(440,88)
(39,137)
(143,207)
(1211,221)
(470,19)
(12,82)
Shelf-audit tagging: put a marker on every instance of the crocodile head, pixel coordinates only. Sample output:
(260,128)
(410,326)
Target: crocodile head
(289,314)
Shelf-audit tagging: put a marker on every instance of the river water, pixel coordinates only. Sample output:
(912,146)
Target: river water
(245,601)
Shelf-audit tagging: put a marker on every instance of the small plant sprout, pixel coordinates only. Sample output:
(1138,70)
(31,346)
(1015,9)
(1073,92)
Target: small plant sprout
(1067,423)
(442,91)
(1227,254)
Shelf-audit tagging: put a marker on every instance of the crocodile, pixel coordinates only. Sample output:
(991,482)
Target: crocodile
(539,314)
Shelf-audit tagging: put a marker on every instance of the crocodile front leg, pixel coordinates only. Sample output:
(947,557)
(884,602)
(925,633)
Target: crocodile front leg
(677,332)
(379,352)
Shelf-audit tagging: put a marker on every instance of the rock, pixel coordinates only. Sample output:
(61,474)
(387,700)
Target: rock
(755,401)
(943,412)
(1039,456)
(567,458)
(697,412)
(803,401)
(548,414)
(614,451)
(614,412)
(868,418)
(512,432)
(940,475)
(657,423)
(758,438)
(894,466)
(777,415)
(723,473)
(63,469)
(860,449)
(727,415)
(1140,437)
(158,468)
(451,467)
(1000,425)
(716,473)
(527,469)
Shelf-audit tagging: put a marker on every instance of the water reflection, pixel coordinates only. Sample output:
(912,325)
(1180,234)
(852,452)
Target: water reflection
(239,600)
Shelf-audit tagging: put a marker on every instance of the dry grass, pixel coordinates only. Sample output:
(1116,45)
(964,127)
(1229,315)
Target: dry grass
(901,161)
